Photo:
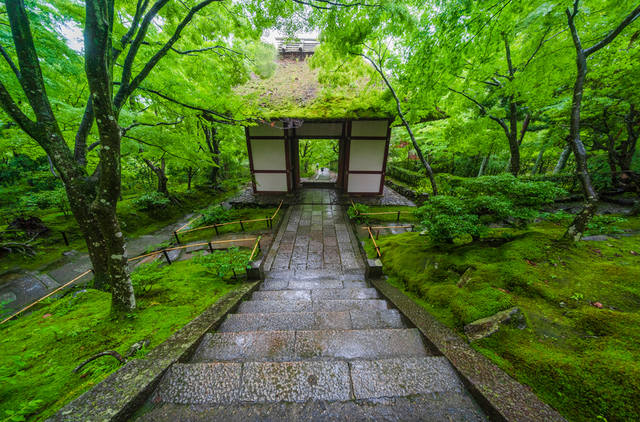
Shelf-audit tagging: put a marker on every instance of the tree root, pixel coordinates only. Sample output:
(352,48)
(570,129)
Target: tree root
(112,353)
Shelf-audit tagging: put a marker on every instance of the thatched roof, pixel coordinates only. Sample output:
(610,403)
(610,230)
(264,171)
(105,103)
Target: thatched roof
(295,91)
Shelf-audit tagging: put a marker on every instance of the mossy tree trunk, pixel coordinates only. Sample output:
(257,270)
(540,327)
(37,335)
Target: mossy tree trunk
(92,198)
(161,175)
(578,226)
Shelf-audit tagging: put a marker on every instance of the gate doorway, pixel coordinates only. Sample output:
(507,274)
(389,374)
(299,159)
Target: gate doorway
(318,162)
(357,167)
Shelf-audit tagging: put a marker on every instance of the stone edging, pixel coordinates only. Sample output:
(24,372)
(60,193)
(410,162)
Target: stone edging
(119,395)
(502,397)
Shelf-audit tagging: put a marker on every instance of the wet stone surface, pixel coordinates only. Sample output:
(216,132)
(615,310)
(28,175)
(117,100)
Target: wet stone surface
(315,342)
(315,237)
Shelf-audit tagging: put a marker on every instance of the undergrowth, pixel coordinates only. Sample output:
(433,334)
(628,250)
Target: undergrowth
(41,349)
(582,303)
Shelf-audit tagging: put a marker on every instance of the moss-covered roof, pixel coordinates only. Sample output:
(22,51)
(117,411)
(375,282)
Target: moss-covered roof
(296,91)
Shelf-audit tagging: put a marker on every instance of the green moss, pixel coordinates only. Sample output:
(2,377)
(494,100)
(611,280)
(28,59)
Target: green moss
(40,350)
(581,359)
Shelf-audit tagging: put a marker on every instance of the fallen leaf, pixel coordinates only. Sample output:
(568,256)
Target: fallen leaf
(46,315)
(533,264)
(597,305)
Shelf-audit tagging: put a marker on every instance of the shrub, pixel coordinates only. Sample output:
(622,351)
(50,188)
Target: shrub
(355,210)
(223,264)
(447,218)
(145,276)
(215,214)
(56,198)
(410,177)
(604,224)
(151,201)
(521,193)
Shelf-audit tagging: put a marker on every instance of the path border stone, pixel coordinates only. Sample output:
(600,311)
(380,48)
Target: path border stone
(501,396)
(117,397)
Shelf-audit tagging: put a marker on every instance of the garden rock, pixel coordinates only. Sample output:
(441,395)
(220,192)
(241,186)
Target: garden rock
(487,326)
(135,347)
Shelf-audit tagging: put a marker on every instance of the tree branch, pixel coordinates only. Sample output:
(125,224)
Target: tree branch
(614,33)
(152,145)
(313,3)
(112,353)
(126,87)
(227,119)
(483,110)
(137,124)
(12,109)
(12,65)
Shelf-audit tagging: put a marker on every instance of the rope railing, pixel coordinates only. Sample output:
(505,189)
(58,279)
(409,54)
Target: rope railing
(398,213)
(45,296)
(268,220)
(256,247)
(375,244)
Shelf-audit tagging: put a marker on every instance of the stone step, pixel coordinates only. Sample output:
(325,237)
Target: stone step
(320,305)
(257,382)
(336,380)
(352,293)
(437,407)
(312,284)
(310,345)
(315,275)
(297,321)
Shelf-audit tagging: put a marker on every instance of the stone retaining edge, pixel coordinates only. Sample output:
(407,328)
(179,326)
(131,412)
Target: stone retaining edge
(501,396)
(117,397)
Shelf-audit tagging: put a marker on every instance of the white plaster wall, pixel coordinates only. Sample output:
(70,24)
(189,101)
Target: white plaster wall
(268,154)
(366,155)
(271,182)
(369,183)
(369,128)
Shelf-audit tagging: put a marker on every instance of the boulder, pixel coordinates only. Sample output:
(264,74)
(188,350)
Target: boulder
(486,326)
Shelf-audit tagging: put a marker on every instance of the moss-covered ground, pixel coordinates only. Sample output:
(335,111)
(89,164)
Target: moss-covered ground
(580,352)
(41,349)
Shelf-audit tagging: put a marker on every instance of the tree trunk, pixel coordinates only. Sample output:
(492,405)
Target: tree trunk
(562,161)
(483,165)
(632,121)
(537,167)
(579,225)
(190,173)
(160,173)
(213,144)
(417,148)
(514,145)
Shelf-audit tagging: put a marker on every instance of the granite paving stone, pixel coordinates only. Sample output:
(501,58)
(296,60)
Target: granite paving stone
(295,381)
(399,377)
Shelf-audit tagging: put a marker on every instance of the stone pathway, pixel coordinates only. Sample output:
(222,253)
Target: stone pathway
(314,343)
(314,237)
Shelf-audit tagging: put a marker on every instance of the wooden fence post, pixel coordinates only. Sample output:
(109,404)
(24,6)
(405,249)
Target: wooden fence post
(166,255)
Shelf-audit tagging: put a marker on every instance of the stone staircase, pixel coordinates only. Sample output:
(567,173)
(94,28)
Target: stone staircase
(313,346)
